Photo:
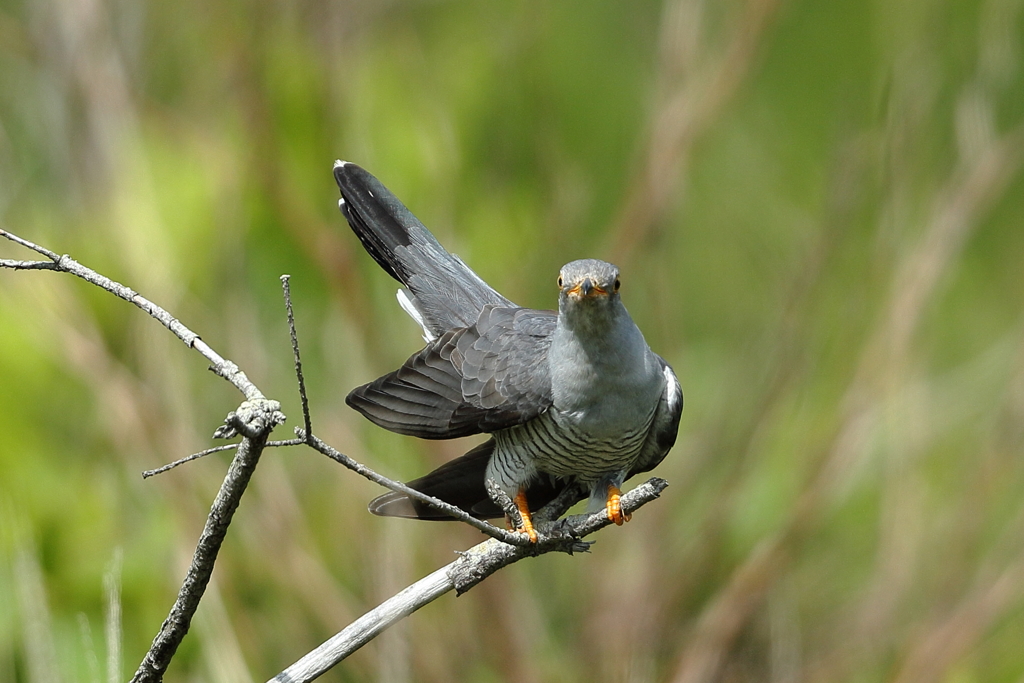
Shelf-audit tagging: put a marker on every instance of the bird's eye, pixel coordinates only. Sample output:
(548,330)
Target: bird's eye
(617,284)
(559,280)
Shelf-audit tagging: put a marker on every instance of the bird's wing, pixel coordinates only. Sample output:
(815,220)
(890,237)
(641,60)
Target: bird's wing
(487,376)
(665,425)
(443,292)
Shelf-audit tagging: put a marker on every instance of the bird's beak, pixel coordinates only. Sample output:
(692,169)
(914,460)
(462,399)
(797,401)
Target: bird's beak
(586,289)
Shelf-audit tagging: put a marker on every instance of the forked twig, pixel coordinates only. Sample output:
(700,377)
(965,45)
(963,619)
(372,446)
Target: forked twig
(210,451)
(256,417)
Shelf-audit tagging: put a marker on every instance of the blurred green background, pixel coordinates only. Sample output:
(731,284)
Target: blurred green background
(817,210)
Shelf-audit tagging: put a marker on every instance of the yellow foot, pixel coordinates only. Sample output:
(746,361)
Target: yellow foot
(613,506)
(524,513)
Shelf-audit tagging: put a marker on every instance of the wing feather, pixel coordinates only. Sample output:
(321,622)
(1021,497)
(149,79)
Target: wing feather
(482,378)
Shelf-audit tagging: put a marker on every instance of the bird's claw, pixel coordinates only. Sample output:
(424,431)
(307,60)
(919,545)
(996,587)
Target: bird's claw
(524,517)
(517,511)
(613,507)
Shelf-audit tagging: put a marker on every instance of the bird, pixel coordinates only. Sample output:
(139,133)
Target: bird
(568,397)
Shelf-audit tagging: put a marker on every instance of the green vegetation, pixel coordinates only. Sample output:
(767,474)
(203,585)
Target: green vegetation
(817,210)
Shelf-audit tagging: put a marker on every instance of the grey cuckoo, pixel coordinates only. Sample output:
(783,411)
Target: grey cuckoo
(569,396)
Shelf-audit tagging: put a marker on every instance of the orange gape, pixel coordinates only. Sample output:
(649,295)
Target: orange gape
(614,506)
(524,512)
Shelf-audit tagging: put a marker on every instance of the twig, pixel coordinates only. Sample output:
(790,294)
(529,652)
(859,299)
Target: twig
(286,286)
(472,567)
(188,458)
(209,451)
(27,265)
(223,509)
(66,264)
(306,436)
(255,419)
(509,537)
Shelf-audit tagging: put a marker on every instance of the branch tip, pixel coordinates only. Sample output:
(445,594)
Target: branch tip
(188,458)
(303,398)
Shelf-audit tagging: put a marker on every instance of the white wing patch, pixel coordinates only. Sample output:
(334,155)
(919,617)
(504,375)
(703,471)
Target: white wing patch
(673,391)
(408,304)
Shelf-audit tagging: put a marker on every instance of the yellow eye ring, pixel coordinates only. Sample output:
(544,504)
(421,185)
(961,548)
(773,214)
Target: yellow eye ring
(617,284)
(559,280)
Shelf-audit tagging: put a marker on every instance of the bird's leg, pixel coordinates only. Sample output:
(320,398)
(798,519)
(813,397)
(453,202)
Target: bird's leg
(517,512)
(613,506)
(524,514)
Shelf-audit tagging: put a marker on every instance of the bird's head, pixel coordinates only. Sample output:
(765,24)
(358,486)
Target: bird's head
(587,285)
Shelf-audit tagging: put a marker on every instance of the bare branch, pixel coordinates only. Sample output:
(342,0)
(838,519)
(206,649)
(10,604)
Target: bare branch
(286,286)
(209,451)
(472,567)
(223,509)
(53,256)
(306,436)
(509,537)
(27,265)
(188,458)
(223,368)
(255,418)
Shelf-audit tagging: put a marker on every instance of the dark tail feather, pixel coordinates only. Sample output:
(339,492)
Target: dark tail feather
(460,483)
(380,221)
(445,291)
